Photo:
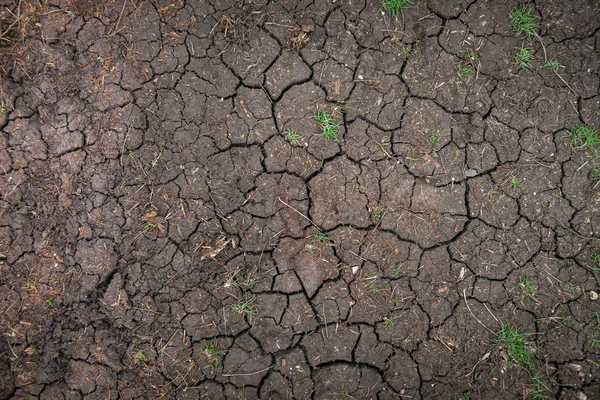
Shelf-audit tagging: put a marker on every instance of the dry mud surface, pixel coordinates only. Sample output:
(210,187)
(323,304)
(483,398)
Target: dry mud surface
(163,234)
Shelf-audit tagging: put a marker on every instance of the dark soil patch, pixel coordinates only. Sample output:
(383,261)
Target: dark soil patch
(174,223)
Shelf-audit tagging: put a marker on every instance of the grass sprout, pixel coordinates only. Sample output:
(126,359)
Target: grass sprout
(585,136)
(523,22)
(329,128)
(396,7)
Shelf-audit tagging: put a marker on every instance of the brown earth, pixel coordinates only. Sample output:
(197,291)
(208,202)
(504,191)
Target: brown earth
(162,235)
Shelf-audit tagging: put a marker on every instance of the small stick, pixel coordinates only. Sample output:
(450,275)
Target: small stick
(571,230)
(555,72)
(114,28)
(299,213)
(476,319)
(251,373)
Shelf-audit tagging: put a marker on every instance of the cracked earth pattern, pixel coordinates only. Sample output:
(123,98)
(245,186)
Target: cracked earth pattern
(163,236)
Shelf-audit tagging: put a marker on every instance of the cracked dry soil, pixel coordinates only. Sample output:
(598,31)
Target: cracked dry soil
(173,226)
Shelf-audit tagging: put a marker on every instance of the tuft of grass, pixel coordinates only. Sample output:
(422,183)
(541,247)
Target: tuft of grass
(515,181)
(526,286)
(321,237)
(523,22)
(139,356)
(373,288)
(379,212)
(432,140)
(465,72)
(538,388)
(552,64)
(213,354)
(516,343)
(596,174)
(385,143)
(596,260)
(389,321)
(583,136)
(246,306)
(523,56)
(573,289)
(593,339)
(473,55)
(396,7)
(292,136)
(329,128)
(519,349)
(406,49)
(396,270)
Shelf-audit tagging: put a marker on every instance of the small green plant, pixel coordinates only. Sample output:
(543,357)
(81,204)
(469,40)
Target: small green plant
(405,50)
(2,111)
(389,321)
(373,288)
(523,57)
(396,7)
(515,181)
(213,354)
(538,388)
(473,56)
(552,64)
(596,174)
(379,212)
(397,271)
(593,340)
(526,286)
(49,302)
(523,22)
(466,396)
(292,136)
(246,306)
(344,395)
(140,356)
(596,255)
(413,160)
(329,128)
(573,289)
(583,136)
(432,140)
(321,237)
(466,72)
(566,320)
(516,344)
(384,144)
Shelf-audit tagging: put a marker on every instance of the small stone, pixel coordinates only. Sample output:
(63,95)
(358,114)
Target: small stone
(471,173)
(581,396)
(575,367)
(593,295)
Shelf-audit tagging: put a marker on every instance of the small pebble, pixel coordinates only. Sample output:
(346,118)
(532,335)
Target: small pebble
(471,173)
(593,295)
